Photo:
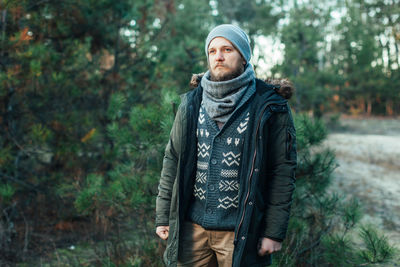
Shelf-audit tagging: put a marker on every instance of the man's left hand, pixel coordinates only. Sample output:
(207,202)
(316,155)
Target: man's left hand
(268,246)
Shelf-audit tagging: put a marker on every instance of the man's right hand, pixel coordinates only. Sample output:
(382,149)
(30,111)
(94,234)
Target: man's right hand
(162,232)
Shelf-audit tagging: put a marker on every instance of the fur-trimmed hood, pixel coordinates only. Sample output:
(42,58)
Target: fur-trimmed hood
(284,86)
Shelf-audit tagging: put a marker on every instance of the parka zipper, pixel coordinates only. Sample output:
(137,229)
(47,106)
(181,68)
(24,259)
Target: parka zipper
(251,171)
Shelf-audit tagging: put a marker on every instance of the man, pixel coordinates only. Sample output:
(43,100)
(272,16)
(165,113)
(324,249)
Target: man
(229,167)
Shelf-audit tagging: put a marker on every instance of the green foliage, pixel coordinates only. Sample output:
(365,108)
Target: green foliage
(40,134)
(302,36)
(338,250)
(323,223)
(257,17)
(88,197)
(5,156)
(377,247)
(351,213)
(116,106)
(6,193)
(309,132)
(337,64)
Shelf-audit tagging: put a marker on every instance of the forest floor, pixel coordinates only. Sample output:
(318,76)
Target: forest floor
(368,154)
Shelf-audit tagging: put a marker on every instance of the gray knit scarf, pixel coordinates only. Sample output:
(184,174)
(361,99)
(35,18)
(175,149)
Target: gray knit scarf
(221,98)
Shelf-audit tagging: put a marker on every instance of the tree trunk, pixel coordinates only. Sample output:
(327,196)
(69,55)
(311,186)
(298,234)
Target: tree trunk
(369,107)
(389,108)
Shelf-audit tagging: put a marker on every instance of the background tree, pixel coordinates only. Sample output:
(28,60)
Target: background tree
(80,113)
(358,50)
(363,55)
(303,37)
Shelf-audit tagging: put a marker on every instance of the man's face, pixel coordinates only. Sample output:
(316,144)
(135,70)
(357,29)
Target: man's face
(224,60)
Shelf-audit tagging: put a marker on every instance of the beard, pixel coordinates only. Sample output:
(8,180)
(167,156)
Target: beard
(227,75)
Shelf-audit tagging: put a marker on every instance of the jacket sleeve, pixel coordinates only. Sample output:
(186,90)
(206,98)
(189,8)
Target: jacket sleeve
(281,167)
(169,170)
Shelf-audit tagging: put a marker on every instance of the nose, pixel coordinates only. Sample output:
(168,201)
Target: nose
(219,56)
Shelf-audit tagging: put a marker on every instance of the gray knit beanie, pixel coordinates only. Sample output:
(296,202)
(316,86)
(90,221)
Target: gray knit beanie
(235,35)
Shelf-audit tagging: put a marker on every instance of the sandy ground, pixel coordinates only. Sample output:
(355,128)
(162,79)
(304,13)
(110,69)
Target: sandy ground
(368,154)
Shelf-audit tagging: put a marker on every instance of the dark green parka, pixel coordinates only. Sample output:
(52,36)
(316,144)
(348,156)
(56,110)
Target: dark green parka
(267,174)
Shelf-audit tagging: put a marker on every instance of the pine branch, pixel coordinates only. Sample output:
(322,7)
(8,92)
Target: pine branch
(18,181)
(38,3)
(3,34)
(318,241)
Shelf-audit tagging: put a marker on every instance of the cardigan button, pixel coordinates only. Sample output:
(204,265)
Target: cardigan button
(256,170)
(217,139)
(250,203)
(243,237)
(214,161)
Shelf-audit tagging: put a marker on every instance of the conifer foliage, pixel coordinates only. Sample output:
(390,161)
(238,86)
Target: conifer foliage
(82,127)
(324,228)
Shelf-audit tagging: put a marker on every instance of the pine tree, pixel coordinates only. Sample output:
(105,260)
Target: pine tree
(324,224)
(80,116)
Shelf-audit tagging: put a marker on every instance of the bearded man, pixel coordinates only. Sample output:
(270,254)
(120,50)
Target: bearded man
(229,167)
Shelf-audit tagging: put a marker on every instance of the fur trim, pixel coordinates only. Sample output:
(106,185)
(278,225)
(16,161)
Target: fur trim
(196,78)
(284,86)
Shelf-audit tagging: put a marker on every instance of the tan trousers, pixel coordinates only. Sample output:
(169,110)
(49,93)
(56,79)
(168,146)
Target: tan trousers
(199,247)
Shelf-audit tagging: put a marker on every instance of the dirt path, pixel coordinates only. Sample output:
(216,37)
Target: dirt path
(369,169)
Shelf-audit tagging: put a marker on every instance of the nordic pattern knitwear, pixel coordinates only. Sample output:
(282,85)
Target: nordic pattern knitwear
(215,194)
(235,35)
(221,98)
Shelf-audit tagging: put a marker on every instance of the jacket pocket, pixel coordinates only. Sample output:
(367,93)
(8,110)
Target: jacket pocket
(250,253)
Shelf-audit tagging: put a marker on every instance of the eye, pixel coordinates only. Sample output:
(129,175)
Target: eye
(228,49)
(211,51)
